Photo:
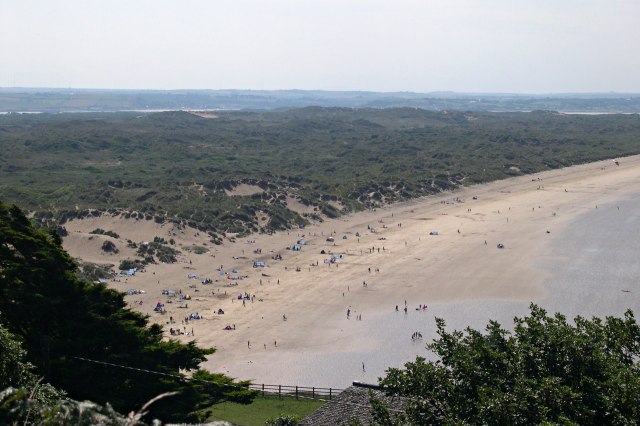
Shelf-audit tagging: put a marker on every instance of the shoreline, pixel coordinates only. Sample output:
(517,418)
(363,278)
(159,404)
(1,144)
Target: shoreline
(447,272)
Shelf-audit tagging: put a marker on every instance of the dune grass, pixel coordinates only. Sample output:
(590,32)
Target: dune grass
(178,166)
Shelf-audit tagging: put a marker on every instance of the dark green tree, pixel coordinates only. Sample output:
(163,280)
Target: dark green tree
(546,370)
(61,319)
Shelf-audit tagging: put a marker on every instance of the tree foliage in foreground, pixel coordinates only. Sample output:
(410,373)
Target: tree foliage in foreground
(31,397)
(60,318)
(546,370)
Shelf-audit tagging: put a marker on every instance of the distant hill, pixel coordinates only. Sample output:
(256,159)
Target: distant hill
(260,171)
(95,100)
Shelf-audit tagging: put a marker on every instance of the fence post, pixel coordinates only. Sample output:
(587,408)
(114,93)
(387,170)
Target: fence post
(313,393)
(296,392)
(279,390)
(263,390)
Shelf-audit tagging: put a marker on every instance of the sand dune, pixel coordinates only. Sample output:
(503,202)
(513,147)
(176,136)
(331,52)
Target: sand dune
(395,257)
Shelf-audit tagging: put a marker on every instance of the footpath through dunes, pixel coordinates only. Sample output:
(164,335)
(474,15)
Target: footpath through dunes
(341,319)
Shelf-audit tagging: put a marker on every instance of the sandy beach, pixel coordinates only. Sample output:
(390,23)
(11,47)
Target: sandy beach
(386,258)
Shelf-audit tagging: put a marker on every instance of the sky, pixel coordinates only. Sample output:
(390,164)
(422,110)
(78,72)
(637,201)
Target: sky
(512,46)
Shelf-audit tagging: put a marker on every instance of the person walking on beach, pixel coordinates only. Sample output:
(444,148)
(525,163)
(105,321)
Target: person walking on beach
(363,370)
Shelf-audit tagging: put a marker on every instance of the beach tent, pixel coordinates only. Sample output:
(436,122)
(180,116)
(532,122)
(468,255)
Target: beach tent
(434,233)
(233,277)
(102,280)
(301,242)
(296,248)
(258,264)
(330,239)
(131,271)
(234,270)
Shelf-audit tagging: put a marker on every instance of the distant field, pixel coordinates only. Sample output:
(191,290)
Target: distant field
(56,100)
(185,167)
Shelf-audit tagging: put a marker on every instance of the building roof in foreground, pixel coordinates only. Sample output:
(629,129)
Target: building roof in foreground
(352,404)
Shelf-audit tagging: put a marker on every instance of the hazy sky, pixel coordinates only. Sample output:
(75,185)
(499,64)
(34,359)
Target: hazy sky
(532,46)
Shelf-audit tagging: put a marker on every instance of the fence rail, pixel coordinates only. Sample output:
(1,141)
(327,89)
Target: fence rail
(297,391)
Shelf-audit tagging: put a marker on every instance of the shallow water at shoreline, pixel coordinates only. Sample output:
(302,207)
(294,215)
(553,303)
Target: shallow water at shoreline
(594,268)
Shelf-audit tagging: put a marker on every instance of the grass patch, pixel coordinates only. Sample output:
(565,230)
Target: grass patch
(262,409)
(197,249)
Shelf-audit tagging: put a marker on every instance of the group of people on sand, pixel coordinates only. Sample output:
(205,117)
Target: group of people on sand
(178,332)
(405,307)
(358,317)
(195,316)
(421,307)
(416,335)
(245,296)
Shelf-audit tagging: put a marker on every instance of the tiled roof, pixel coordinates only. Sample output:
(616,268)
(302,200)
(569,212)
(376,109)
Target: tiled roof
(352,403)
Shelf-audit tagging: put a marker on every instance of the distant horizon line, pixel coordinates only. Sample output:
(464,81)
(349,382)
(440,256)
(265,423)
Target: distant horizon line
(395,93)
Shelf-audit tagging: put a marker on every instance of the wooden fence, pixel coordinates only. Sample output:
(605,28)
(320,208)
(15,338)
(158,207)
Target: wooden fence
(295,391)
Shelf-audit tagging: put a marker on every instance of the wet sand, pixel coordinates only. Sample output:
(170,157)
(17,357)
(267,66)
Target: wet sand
(580,266)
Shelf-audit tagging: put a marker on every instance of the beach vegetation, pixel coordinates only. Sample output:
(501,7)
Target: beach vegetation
(100,231)
(182,168)
(159,248)
(88,271)
(196,249)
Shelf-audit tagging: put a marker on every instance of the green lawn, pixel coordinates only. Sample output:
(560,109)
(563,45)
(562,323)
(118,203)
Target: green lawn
(262,409)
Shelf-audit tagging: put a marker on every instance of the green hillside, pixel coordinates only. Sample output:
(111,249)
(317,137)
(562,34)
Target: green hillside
(177,165)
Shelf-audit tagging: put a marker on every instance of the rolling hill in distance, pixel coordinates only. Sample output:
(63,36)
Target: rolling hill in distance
(103,100)
(300,165)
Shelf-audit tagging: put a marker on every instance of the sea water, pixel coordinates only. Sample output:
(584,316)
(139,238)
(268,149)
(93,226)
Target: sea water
(592,270)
